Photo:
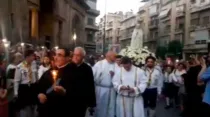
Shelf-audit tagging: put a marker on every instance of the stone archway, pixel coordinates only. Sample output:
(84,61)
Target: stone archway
(76,28)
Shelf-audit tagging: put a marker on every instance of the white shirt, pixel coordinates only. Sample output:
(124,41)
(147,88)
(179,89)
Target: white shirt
(168,78)
(176,76)
(22,75)
(156,79)
(42,70)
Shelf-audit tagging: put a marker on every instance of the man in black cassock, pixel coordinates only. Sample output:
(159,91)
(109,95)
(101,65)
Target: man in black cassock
(86,87)
(62,100)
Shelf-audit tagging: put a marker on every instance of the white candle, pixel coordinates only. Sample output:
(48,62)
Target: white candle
(54,75)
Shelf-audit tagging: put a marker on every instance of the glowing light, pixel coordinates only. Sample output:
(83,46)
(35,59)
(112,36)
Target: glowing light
(42,47)
(74,36)
(4,40)
(22,44)
(145,47)
(54,75)
(177,60)
(56,47)
(6,45)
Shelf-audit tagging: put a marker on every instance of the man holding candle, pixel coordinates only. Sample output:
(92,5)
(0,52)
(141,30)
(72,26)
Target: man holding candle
(86,83)
(58,88)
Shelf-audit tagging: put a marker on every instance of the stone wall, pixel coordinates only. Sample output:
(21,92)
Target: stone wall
(15,24)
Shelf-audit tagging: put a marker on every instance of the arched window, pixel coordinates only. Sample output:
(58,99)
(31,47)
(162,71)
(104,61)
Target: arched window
(76,24)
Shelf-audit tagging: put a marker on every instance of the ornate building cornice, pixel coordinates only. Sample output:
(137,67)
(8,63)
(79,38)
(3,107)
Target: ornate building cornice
(83,4)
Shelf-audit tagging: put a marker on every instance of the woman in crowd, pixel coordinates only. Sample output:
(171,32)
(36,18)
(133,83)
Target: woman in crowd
(178,82)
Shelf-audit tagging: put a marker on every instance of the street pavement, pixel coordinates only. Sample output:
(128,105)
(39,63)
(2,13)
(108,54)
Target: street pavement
(162,112)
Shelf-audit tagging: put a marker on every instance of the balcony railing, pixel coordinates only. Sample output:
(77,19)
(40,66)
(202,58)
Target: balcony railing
(94,12)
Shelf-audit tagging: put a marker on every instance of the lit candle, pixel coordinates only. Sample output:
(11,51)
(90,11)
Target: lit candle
(54,75)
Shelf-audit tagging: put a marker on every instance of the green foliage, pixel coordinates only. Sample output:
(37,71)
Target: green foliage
(175,48)
(161,52)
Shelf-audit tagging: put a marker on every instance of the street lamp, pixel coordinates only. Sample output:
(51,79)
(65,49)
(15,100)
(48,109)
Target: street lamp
(75,38)
(22,44)
(56,47)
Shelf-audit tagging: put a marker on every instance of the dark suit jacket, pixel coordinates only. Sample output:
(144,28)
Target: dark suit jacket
(85,87)
(80,92)
(57,105)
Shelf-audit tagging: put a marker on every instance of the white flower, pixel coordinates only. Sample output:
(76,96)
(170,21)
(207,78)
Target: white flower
(138,55)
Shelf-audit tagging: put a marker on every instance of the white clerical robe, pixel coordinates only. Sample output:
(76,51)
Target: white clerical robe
(105,94)
(130,104)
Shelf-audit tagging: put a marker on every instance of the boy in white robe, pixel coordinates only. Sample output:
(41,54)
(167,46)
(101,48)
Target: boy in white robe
(129,82)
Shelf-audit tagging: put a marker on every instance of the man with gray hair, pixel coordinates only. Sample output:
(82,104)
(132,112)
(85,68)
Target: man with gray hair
(86,89)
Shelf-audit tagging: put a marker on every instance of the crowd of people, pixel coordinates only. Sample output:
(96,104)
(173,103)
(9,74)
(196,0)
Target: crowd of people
(62,83)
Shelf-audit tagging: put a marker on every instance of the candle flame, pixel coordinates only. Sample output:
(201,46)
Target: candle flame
(54,74)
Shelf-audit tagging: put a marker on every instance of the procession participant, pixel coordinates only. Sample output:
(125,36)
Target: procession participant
(10,72)
(58,88)
(3,91)
(178,82)
(118,60)
(154,86)
(24,84)
(104,71)
(205,91)
(168,86)
(44,67)
(129,82)
(194,99)
(84,75)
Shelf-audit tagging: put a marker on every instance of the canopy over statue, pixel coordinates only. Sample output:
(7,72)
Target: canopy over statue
(137,37)
(136,51)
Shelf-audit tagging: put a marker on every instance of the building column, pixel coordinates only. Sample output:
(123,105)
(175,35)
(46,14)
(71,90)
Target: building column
(34,24)
(187,24)
(173,20)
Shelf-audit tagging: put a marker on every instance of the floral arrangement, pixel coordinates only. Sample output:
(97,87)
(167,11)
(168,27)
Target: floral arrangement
(138,56)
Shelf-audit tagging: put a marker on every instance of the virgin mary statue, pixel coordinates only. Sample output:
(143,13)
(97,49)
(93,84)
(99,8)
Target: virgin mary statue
(137,37)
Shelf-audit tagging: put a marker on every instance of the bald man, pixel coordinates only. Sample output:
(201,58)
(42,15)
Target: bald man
(104,71)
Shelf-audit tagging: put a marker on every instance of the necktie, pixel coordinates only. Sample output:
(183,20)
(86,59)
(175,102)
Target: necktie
(29,73)
(150,77)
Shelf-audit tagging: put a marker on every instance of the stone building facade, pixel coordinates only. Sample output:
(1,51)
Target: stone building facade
(109,31)
(185,20)
(91,28)
(127,26)
(44,22)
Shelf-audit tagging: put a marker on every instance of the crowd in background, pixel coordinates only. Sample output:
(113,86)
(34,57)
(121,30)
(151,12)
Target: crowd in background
(186,84)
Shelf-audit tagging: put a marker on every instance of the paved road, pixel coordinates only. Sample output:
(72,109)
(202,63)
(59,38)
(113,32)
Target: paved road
(162,112)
